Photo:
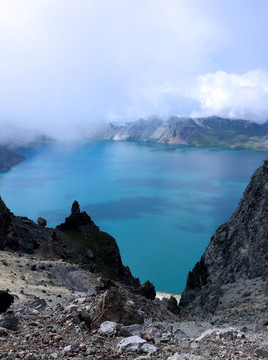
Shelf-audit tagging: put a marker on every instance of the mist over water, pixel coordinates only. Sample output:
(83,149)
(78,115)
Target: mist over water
(162,203)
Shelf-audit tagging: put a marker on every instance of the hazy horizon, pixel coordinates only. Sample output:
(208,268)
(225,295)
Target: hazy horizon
(66,66)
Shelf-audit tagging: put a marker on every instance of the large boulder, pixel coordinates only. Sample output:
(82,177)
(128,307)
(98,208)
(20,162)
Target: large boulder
(237,252)
(112,306)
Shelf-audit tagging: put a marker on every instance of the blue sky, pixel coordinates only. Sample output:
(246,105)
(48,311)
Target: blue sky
(66,64)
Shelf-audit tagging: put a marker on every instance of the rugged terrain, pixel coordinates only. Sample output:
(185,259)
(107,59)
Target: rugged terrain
(210,131)
(74,299)
(236,259)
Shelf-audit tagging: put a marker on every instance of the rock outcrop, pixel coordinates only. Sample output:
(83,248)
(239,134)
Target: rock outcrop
(113,307)
(236,254)
(9,238)
(78,240)
(19,233)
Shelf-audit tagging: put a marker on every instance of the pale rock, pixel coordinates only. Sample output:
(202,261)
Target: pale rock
(230,332)
(108,328)
(149,348)
(131,343)
(67,348)
(80,300)
(131,304)
(71,308)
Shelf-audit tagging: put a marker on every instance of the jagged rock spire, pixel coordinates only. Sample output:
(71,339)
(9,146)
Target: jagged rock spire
(75,208)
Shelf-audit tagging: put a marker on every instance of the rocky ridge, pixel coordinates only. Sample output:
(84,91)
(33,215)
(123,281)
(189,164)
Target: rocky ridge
(210,131)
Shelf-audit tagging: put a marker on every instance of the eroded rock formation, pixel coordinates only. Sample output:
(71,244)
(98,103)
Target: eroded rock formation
(237,252)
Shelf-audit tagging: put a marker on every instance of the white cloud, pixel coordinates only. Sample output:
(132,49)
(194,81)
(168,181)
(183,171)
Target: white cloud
(64,63)
(242,96)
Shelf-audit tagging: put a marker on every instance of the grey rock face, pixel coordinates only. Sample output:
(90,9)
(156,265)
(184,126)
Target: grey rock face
(238,250)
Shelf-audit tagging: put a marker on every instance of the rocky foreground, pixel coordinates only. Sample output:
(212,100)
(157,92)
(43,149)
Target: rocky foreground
(70,297)
(51,319)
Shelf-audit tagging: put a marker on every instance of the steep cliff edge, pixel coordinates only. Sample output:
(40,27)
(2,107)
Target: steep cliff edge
(236,256)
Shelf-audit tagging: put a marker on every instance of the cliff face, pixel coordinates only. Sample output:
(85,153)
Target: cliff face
(237,252)
(211,131)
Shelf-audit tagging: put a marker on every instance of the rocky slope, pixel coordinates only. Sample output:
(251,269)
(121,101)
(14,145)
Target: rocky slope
(211,131)
(234,268)
(9,158)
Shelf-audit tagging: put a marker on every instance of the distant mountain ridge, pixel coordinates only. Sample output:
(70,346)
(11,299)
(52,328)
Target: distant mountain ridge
(9,158)
(209,131)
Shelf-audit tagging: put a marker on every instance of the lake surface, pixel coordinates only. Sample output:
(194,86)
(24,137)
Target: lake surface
(162,203)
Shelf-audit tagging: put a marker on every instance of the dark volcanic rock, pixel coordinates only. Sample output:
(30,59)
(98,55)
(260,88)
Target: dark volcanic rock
(9,158)
(80,241)
(19,233)
(147,290)
(237,251)
(9,238)
(112,307)
(173,305)
(6,300)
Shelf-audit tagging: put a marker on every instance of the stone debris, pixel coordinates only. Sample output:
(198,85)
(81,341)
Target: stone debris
(230,333)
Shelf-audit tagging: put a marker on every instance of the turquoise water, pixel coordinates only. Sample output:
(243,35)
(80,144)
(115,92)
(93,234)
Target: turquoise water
(162,203)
